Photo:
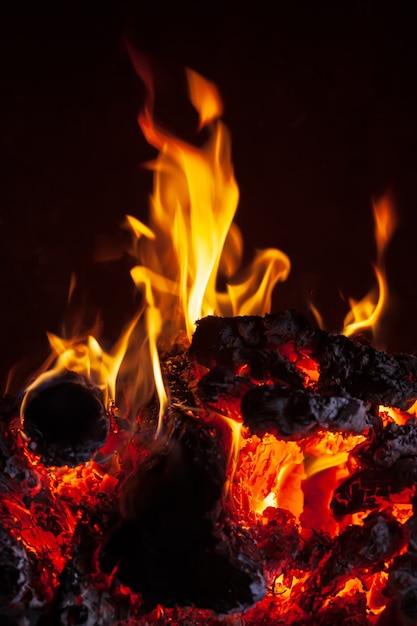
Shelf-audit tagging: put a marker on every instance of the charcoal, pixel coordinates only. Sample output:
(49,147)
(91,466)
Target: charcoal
(79,599)
(65,420)
(346,367)
(367,489)
(219,381)
(357,551)
(224,341)
(402,584)
(292,414)
(173,545)
(388,464)
(343,611)
(369,374)
(278,540)
(16,571)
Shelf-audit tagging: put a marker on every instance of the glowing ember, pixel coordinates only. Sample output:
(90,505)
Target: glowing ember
(251,472)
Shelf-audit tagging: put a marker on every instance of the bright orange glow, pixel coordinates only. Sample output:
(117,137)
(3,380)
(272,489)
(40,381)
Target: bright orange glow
(265,469)
(391,414)
(187,265)
(194,239)
(84,356)
(367,312)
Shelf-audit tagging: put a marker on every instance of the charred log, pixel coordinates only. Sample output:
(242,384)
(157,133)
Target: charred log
(388,465)
(346,367)
(292,414)
(80,598)
(17,568)
(173,545)
(65,420)
(358,550)
(369,374)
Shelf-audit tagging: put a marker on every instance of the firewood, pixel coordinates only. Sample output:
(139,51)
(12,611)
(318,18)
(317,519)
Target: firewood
(345,366)
(292,414)
(357,551)
(65,420)
(173,545)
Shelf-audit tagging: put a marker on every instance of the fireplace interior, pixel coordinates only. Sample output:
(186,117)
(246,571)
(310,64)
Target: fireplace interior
(249,459)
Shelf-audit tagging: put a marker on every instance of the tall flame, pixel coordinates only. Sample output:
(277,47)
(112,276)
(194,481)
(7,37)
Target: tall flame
(192,244)
(366,313)
(190,248)
(194,241)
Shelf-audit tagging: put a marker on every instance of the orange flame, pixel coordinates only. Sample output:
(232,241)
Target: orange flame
(192,243)
(366,313)
(190,246)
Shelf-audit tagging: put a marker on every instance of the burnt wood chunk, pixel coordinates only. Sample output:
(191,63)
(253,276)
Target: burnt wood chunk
(16,572)
(345,367)
(291,414)
(356,551)
(369,374)
(174,546)
(65,420)
(388,465)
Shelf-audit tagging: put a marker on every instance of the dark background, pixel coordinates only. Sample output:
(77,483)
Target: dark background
(322,105)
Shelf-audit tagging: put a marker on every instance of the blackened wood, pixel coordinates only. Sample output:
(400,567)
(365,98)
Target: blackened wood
(292,414)
(369,374)
(402,586)
(358,550)
(17,568)
(345,366)
(65,420)
(174,546)
(387,465)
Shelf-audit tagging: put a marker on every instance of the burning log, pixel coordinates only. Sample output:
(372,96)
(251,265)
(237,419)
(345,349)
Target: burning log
(388,465)
(357,551)
(174,544)
(167,535)
(65,420)
(292,414)
(17,569)
(346,367)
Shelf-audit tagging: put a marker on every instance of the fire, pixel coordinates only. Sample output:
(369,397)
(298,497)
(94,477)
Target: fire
(188,265)
(366,313)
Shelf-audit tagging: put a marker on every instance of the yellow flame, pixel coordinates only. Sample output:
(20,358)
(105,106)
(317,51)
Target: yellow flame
(205,97)
(366,313)
(188,257)
(84,356)
(194,238)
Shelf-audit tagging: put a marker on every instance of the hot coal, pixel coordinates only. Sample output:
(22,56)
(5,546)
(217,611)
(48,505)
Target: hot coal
(79,600)
(357,551)
(387,466)
(16,572)
(292,414)
(163,532)
(346,367)
(174,545)
(66,420)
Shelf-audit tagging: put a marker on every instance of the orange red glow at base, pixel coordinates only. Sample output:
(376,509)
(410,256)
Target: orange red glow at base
(279,490)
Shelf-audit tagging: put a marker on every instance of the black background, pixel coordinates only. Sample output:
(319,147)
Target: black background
(321,101)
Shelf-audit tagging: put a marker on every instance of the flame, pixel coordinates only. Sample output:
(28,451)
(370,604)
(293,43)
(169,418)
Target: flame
(366,313)
(84,355)
(192,243)
(190,247)
(188,265)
